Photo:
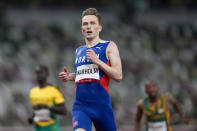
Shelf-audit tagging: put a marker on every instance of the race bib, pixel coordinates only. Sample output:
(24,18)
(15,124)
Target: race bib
(42,115)
(160,111)
(87,73)
(157,126)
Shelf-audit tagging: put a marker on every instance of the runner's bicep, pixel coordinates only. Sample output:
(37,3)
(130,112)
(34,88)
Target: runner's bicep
(114,57)
(139,112)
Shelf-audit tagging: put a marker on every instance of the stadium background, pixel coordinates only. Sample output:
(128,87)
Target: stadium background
(157,40)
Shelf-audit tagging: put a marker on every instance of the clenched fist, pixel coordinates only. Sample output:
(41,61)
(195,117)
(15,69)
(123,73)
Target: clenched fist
(64,76)
(91,55)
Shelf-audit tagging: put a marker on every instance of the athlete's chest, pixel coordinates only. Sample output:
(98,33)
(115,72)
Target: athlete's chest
(85,70)
(81,58)
(41,97)
(155,108)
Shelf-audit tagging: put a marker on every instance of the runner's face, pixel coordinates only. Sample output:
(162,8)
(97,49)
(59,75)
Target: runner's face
(90,27)
(152,90)
(41,75)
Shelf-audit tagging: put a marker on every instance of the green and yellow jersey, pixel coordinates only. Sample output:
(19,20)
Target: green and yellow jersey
(157,116)
(49,95)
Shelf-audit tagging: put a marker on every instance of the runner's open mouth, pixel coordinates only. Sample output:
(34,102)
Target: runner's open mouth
(89,32)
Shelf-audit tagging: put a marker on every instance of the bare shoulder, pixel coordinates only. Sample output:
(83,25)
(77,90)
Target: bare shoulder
(168,97)
(140,103)
(112,48)
(112,45)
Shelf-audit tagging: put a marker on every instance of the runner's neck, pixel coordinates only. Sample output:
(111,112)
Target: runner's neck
(42,85)
(153,100)
(92,42)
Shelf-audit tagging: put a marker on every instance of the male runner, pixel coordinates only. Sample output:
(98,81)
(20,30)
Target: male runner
(155,108)
(95,63)
(47,101)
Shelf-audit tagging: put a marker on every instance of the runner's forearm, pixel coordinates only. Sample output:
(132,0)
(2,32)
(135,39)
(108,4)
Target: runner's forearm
(138,116)
(60,109)
(137,127)
(113,73)
(71,76)
(178,109)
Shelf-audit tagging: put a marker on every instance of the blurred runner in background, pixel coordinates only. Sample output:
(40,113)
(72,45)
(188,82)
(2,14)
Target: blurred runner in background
(155,108)
(47,101)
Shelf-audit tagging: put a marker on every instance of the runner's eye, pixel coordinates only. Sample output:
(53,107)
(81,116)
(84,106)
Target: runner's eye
(85,23)
(93,23)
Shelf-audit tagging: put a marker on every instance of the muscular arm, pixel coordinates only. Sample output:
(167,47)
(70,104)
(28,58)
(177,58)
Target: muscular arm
(115,70)
(138,116)
(59,109)
(177,107)
(71,76)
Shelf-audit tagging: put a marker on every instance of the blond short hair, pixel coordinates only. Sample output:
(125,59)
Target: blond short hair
(92,11)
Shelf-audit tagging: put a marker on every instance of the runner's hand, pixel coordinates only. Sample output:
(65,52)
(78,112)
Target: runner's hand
(91,55)
(64,76)
(30,120)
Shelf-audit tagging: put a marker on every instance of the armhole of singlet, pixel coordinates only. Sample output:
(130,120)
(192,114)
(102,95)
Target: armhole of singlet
(108,42)
(78,49)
